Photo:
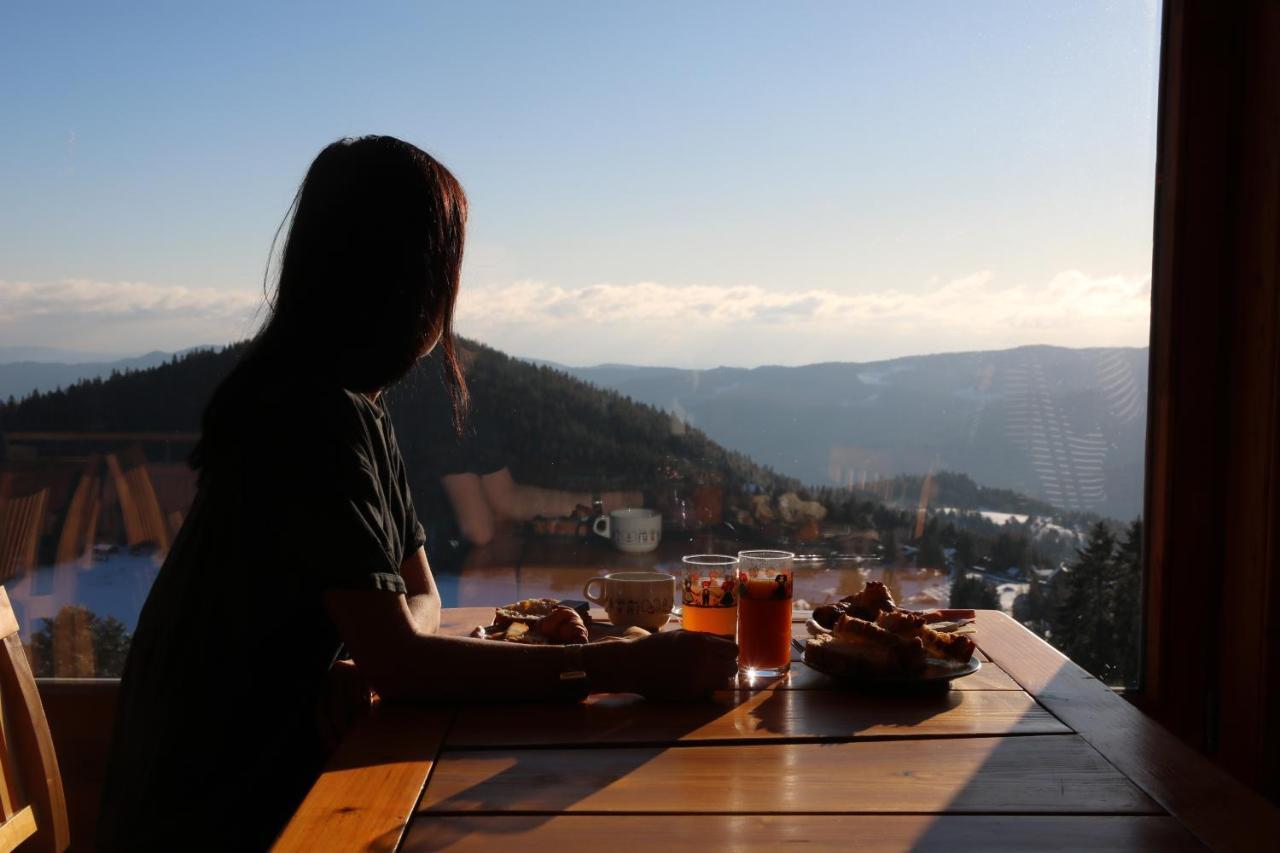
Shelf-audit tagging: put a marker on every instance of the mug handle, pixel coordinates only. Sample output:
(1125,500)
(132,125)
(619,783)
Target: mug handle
(607,529)
(586,591)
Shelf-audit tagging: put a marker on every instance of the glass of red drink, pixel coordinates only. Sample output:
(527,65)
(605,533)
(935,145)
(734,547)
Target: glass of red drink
(764,612)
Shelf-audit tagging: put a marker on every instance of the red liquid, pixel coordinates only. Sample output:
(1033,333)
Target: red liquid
(764,631)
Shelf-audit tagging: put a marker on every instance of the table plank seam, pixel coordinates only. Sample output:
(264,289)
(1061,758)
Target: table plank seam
(431,771)
(1089,742)
(1188,786)
(763,740)
(433,813)
(1025,689)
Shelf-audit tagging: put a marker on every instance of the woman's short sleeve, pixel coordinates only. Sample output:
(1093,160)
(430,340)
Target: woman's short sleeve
(346,532)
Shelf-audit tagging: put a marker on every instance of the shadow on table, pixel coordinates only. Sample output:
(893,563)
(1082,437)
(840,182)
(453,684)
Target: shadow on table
(623,734)
(1070,797)
(541,803)
(841,714)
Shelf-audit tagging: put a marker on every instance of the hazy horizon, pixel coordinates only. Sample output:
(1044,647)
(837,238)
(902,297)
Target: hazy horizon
(56,356)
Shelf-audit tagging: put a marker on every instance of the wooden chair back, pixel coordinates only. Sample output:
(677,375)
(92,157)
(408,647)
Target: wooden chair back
(20,521)
(33,808)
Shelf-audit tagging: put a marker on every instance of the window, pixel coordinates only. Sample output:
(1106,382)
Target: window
(871,284)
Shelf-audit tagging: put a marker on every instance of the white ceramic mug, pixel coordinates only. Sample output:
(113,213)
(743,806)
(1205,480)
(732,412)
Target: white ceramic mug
(632,530)
(642,599)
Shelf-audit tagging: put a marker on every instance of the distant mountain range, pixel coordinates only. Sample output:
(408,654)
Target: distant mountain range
(1067,426)
(558,430)
(27,369)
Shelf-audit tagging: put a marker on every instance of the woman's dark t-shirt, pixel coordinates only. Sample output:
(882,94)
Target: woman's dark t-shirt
(216,741)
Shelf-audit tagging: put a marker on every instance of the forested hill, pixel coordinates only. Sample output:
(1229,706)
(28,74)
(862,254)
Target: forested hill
(561,431)
(953,490)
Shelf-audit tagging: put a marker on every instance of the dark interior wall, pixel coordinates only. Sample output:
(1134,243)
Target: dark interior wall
(81,713)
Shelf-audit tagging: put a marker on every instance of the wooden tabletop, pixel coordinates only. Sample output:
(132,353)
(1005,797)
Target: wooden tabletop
(1030,753)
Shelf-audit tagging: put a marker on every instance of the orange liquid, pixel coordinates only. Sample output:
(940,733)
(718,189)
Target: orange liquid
(712,620)
(764,633)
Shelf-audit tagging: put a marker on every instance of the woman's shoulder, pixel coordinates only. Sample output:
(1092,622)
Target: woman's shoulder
(303,413)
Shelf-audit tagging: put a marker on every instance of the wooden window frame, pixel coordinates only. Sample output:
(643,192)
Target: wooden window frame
(1213,444)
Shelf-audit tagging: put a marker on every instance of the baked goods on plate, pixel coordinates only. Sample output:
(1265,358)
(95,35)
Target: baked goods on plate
(546,621)
(866,638)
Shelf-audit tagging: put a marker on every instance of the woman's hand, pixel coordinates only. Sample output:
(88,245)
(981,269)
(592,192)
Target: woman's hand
(673,665)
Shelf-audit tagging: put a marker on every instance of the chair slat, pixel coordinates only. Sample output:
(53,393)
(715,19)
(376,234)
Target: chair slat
(10,798)
(30,766)
(17,829)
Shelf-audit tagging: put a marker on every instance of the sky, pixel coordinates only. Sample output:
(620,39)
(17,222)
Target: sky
(686,184)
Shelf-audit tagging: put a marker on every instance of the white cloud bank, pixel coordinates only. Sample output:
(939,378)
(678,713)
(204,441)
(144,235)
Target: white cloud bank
(701,326)
(642,323)
(122,317)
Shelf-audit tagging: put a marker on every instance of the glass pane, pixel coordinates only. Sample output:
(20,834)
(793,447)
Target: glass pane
(867,282)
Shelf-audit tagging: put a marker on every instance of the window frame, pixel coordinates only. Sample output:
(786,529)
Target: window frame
(1213,444)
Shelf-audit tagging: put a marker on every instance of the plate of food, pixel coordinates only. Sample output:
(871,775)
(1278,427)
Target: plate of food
(548,621)
(866,639)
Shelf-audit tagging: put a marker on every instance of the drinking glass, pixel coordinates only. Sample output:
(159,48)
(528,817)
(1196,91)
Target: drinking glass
(764,612)
(710,594)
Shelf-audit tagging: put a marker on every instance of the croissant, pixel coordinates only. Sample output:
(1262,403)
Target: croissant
(563,625)
(882,650)
(941,644)
(904,623)
(901,622)
(872,600)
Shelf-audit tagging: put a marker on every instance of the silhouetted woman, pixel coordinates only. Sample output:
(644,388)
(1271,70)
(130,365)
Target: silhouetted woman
(303,537)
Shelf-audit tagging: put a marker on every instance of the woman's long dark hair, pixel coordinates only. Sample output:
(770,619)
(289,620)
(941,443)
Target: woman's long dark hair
(367,279)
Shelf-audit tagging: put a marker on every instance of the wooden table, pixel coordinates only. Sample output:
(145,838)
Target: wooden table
(1030,753)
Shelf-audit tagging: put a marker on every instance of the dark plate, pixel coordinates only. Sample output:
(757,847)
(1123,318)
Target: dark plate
(935,674)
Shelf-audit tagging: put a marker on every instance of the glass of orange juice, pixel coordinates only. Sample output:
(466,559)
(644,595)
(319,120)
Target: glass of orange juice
(764,612)
(710,594)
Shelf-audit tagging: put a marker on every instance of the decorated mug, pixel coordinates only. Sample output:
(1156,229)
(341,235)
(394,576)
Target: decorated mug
(641,599)
(635,531)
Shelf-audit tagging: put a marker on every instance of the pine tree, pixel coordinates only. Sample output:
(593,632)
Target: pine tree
(973,593)
(966,555)
(1082,624)
(1126,607)
(930,555)
(890,547)
(1033,609)
(110,646)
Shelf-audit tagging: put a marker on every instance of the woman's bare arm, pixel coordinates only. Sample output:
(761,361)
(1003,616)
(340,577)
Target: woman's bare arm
(519,502)
(470,507)
(420,592)
(403,662)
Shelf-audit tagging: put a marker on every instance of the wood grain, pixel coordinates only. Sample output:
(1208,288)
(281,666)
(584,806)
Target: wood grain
(755,716)
(1220,811)
(367,792)
(866,833)
(1213,448)
(8,622)
(17,828)
(31,743)
(1041,774)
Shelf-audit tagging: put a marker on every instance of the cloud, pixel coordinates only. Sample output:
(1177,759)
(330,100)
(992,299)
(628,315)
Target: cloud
(122,316)
(653,323)
(642,323)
